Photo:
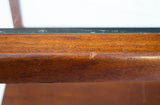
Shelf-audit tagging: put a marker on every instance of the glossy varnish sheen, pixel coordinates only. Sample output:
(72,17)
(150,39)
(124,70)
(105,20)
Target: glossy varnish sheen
(78,43)
(79,57)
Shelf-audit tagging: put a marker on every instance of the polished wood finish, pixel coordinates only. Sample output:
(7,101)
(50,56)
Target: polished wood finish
(142,93)
(80,43)
(79,57)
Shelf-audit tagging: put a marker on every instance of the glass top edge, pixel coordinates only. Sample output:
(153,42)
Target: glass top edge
(90,30)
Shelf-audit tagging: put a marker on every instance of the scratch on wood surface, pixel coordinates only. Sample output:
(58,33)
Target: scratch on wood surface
(92,55)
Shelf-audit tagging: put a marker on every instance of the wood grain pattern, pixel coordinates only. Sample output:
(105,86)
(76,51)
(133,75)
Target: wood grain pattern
(80,43)
(107,93)
(79,57)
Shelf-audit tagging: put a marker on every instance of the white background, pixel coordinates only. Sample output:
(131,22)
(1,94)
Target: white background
(5,15)
(91,13)
(2,88)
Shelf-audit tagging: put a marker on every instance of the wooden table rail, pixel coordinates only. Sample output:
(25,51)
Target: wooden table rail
(79,57)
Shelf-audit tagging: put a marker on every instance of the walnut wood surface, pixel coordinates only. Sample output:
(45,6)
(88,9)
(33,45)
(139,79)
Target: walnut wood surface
(79,57)
(142,93)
